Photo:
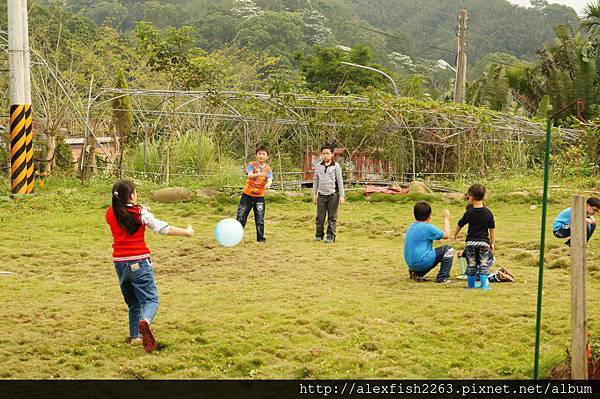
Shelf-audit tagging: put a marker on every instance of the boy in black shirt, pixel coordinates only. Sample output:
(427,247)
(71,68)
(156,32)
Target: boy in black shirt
(480,237)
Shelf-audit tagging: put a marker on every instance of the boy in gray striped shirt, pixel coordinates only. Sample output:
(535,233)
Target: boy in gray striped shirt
(328,193)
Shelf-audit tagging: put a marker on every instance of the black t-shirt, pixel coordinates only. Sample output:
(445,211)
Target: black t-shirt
(479,221)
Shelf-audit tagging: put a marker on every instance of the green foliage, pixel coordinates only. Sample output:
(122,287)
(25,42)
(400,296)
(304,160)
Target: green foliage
(149,166)
(215,30)
(64,157)
(491,90)
(110,13)
(122,116)
(591,141)
(590,23)
(163,15)
(323,70)
(570,71)
(565,72)
(172,52)
(276,34)
(544,108)
(193,153)
(573,161)
(483,63)
(497,25)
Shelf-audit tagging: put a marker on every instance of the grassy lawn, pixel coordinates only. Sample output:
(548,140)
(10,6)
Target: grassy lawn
(290,308)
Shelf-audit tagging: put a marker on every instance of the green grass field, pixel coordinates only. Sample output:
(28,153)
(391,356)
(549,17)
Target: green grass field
(290,308)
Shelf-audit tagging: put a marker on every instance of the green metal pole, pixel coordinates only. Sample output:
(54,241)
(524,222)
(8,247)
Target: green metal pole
(538,320)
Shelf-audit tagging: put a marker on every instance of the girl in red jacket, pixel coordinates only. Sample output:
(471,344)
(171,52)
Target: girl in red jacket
(131,256)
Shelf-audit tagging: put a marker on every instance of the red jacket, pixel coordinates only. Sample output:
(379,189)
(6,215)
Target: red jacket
(127,247)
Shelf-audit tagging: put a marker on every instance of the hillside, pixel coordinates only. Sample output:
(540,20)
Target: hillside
(424,28)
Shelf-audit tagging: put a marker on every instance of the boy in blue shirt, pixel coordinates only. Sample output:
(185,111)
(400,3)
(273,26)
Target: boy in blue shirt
(561,228)
(419,254)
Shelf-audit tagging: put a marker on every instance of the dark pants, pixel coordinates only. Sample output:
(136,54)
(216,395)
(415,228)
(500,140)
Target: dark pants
(477,259)
(443,256)
(327,205)
(247,203)
(565,231)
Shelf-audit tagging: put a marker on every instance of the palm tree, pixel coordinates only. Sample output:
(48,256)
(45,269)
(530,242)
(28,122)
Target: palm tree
(590,24)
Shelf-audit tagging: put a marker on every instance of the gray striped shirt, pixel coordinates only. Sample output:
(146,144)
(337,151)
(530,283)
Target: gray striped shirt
(326,177)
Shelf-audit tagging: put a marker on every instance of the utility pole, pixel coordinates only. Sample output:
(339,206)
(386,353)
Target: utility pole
(28,106)
(461,61)
(20,96)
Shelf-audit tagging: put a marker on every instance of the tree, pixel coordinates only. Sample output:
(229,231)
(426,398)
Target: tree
(245,9)
(400,43)
(111,13)
(215,30)
(590,25)
(564,73)
(324,71)
(275,33)
(538,4)
(493,58)
(316,30)
(570,70)
(122,118)
(163,15)
(172,53)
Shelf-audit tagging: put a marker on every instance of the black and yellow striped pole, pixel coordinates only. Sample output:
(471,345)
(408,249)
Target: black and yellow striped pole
(29,149)
(21,143)
(18,149)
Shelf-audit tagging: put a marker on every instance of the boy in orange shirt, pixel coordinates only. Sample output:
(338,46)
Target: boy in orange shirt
(260,178)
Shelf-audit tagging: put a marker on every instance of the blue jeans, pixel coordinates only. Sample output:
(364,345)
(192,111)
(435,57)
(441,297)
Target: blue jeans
(478,257)
(564,231)
(248,203)
(136,279)
(443,256)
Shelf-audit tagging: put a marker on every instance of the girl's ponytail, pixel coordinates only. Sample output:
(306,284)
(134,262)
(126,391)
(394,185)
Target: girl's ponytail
(121,193)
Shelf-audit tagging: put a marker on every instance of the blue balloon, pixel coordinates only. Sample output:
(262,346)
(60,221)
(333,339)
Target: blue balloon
(229,232)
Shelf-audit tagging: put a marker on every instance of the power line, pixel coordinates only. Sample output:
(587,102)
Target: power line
(396,37)
(433,28)
(437,48)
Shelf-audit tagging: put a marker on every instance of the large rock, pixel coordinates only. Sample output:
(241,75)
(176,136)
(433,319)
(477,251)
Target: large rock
(293,194)
(172,194)
(419,187)
(519,194)
(454,196)
(206,193)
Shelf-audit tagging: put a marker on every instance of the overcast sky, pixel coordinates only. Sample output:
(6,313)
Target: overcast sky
(578,5)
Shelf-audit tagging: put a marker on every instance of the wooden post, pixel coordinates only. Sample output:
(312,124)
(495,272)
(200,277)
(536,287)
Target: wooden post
(90,159)
(146,128)
(579,369)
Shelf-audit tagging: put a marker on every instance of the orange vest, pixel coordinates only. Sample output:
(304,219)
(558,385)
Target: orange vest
(255,187)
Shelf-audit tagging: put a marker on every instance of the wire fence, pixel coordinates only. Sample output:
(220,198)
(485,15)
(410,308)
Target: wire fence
(209,135)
